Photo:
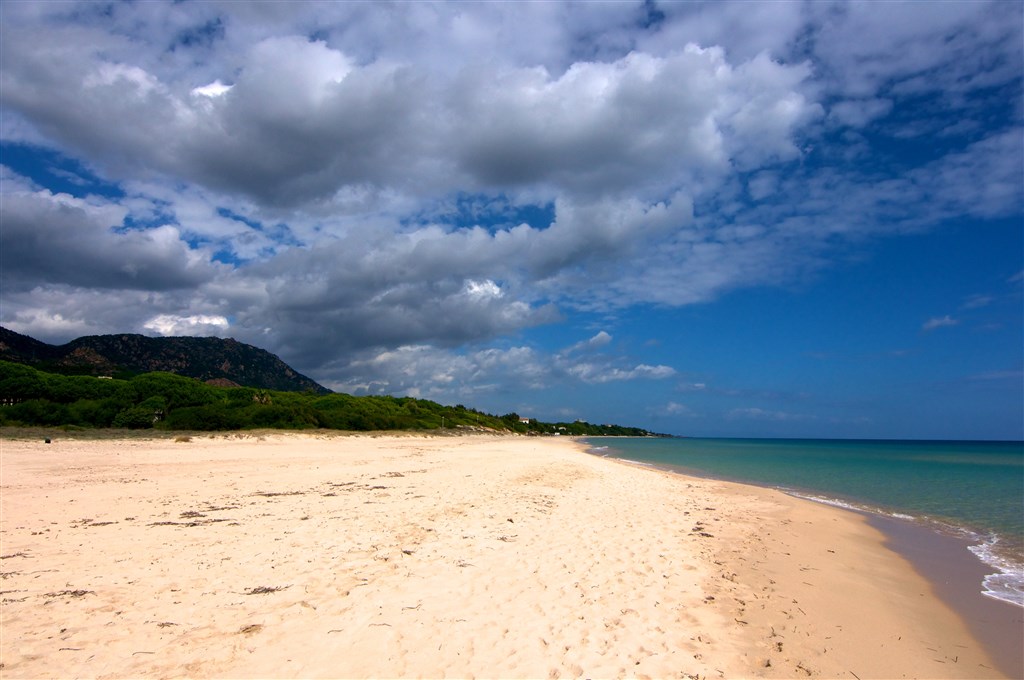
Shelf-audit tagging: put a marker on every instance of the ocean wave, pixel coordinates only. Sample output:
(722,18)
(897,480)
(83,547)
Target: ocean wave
(835,502)
(1007,584)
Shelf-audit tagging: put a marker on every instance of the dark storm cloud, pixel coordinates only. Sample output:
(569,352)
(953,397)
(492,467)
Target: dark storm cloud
(49,239)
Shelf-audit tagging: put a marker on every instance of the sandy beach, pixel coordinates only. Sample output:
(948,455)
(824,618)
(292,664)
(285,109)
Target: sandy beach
(318,556)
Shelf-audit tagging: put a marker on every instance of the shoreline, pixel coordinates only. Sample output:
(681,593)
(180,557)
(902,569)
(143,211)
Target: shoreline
(402,556)
(954,571)
(949,565)
(978,542)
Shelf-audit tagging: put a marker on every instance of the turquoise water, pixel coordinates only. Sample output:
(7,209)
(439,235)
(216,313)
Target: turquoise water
(972,488)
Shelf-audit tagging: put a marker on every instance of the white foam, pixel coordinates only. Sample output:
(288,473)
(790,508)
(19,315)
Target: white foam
(835,502)
(1007,584)
(636,462)
(851,506)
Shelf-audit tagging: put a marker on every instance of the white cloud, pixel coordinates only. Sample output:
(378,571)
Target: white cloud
(600,339)
(939,322)
(658,372)
(214,89)
(429,372)
(977,301)
(92,311)
(482,289)
(42,325)
(745,29)
(674,409)
(860,112)
(755,413)
(869,47)
(437,373)
(595,373)
(195,324)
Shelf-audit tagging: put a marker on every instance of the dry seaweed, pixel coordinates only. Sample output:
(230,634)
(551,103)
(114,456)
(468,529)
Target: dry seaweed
(264,590)
(71,593)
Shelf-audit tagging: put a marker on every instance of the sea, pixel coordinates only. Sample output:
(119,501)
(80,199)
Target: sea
(974,490)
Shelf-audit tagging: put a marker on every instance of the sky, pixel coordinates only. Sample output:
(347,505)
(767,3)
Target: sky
(731,219)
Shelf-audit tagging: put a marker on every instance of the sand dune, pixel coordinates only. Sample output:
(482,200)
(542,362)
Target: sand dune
(340,557)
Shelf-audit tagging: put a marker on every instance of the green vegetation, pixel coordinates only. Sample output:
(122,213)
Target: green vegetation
(29,397)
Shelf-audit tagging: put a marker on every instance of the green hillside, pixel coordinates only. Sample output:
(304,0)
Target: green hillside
(30,397)
(126,355)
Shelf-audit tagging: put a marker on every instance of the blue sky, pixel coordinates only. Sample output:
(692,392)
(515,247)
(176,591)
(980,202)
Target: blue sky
(722,219)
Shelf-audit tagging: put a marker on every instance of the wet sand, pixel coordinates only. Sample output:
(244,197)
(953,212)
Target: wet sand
(956,576)
(325,556)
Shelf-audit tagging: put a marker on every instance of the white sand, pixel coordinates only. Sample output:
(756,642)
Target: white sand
(439,557)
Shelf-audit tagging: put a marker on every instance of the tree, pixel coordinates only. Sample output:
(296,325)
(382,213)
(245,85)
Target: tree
(134,418)
(177,390)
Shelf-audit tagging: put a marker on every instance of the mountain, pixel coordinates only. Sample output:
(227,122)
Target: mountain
(222,361)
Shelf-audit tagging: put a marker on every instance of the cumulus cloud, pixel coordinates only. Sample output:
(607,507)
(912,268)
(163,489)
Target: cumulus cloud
(600,339)
(579,131)
(294,168)
(676,411)
(428,371)
(302,122)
